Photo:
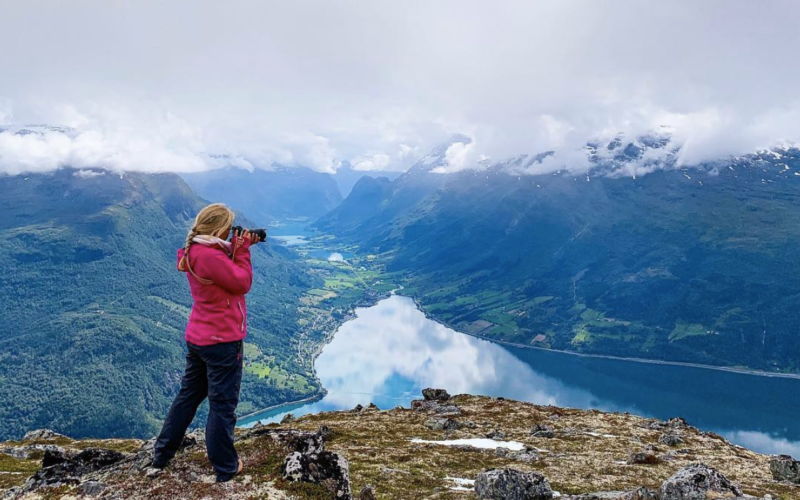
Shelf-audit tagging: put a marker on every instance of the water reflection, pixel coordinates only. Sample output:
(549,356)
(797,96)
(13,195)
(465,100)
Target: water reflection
(391,351)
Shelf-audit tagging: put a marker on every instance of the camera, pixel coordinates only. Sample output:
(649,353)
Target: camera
(262,233)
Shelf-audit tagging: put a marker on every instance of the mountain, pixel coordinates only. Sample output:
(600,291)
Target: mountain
(533,452)
(683,264)
(282,193)
(94,308)
(374,203)
(347,177)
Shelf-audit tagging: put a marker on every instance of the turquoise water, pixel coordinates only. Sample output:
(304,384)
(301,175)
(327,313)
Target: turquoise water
(391,351)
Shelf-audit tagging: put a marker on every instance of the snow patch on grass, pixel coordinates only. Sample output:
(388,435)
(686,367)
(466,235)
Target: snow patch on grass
(483,443)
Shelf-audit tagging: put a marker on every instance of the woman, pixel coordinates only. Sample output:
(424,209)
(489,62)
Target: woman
(219,274)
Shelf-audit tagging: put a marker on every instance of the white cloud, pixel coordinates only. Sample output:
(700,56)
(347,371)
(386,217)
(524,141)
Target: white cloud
(378,161)
(170,84)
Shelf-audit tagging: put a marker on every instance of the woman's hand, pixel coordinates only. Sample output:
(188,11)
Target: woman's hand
(251,236)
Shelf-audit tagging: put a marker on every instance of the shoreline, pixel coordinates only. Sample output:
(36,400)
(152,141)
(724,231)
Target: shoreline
(323,391)
(729,369)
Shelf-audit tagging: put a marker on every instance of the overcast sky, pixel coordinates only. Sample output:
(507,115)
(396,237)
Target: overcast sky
(156,85)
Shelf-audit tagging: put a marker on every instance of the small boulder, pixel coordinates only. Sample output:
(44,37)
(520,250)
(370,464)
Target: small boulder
(60,468)
(670,439)
(678,423)
(442,424)
(326,468)
(194,438)
(288,418)
(512,484)
(785,468)
(641,494)
(357,409)
(529,454)
(496,434)
(542,431)
(698,482)
(91,488)
(373,406)
(435,394)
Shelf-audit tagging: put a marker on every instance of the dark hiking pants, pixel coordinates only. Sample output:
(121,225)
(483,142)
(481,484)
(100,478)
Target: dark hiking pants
(213,371)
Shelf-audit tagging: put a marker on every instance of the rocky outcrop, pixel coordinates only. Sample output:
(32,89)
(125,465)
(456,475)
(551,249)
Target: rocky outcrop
(785,468)
(435,395)
(60,468)
(586,455)
(512,484)
(42,435)
(698,482)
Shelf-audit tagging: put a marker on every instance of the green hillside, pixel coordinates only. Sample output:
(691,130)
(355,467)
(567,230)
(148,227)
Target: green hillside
(697,265)
(94,310)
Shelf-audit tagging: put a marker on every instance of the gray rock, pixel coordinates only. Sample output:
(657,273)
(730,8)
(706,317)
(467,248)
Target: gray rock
(367,493)
(357,409)
(64,469)
(542,431)
(638,494)
(670,439)
(529,454)
(288,418)
(42,434)
(435,394)
(194,438)
(496,434)
(12,493)
(442,424)
(373,406)
(91,488)
(698,482)
(29,451)
(512,484)
(326,468)
(785,468)
(678,423)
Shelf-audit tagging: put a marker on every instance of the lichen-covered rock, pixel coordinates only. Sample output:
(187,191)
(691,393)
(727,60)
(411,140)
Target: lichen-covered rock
(288,418)
(329,469)
(496,434)
(529,454)
(435,394)
(785,468)
(42,434)
(670,439)
(698,482)
(512,484)
(59,468)
(442,424)
(542,431)
(91,488)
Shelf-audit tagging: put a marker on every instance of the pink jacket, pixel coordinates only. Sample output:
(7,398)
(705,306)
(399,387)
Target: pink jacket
(219,312)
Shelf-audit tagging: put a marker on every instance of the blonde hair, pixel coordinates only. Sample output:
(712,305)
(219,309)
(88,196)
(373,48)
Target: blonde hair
(214,220)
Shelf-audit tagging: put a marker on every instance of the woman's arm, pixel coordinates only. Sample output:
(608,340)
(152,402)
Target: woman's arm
(234,275)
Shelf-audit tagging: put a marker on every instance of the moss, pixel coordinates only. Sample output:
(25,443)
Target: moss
(15,471)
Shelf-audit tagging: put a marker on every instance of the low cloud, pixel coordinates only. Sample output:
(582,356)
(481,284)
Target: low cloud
(274,84)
